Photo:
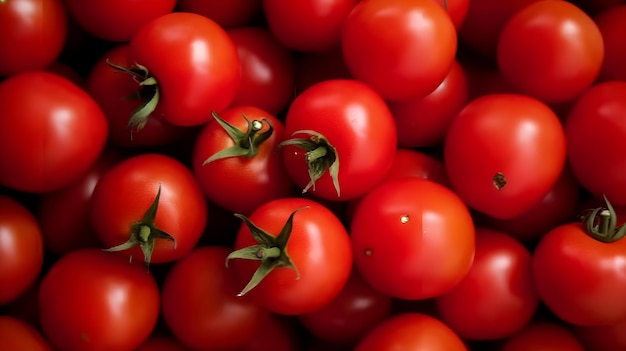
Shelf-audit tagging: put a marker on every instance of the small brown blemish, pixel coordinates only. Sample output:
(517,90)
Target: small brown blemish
(499,181)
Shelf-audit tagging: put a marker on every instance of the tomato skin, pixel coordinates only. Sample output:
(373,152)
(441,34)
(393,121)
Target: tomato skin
(543,336)
(275,333)
(124,193)
(499,286)
(195,63)
(16,334)
(21,249)
(411,331)
(603,338)
(34,33)
(563,63)
(81,297)
(96,16)
(357,123)
(418,229)
(384,42)
(200,303)
(68,125)
(512,135)
(456,9)
(595,129)
(612,23)
(228,14)
(576,276)
(319,247)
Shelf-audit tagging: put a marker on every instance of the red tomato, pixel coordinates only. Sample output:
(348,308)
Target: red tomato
(125,201)
(414,163)
(411,331)
(267,70)
(116,20)
(424,120)
(307,25)
(47,145)
(503,153)
(384,44)
(304,247)
(543,337)
(16,334)
(194,62)
(595,130)
(112,90)
(251,175)
(342,139)
(21,249)
(417,229)
(228,14)
(95,300)
(603,338)
(200,303)
(496,299)
(33,34)
(551,50)
(612,24)
(456,9)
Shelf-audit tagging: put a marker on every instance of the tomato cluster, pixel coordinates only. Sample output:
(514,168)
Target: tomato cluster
(312,175)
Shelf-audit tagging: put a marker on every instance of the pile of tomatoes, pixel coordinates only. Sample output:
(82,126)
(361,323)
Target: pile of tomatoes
(312,175)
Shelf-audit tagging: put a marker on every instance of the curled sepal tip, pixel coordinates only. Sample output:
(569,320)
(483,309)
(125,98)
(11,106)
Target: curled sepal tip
(601,224)
(270,250)
(143,233)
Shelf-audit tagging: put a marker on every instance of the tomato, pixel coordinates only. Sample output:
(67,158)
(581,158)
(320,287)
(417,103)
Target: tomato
(456,9)
(307,25)
(543,336)
(496,299)
(15,334)
(411,331)
(304,251)
(340,139)
(401,48)
(412,238)
(267,69)
(49,144)
(115,93)
(228,14)
(195,65)
(96,17)
(254,173)
(424,120)
(33,36)
(96,300)
(346,319)
(551,50)
(316,67)
(21,249)
(149,204)
(603,338)
(595,130)
(612,23)
(200,303)
(503,153)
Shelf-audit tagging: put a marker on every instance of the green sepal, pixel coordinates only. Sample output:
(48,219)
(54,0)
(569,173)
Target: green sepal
(320,156)
(270,250)
(601,224)
(246,143)
(144,232)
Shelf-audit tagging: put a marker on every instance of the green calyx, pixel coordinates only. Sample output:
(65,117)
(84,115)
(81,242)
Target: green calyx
(601,224)
(143,233)
(148,93)
(247,142)
(320,156)
(270,250)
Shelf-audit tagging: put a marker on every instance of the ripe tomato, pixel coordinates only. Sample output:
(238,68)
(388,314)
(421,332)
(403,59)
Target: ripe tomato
(228,14)
(33,34)
(411,331)
(200,303)
(401,48)
(417,229)
(21,249)
(304,251)
(612,23)
(503,153)
(341,139)
(252,172)
(195,65)
(49,144)
(145,199)
(543,336)
(97,16)
(15,334)
(456,9)
(497,298)
(95,300)
(551,50)
(595,130)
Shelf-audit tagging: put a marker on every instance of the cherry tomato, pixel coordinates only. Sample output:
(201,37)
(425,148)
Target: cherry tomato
(612,23)
(456,9)
(16,334)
